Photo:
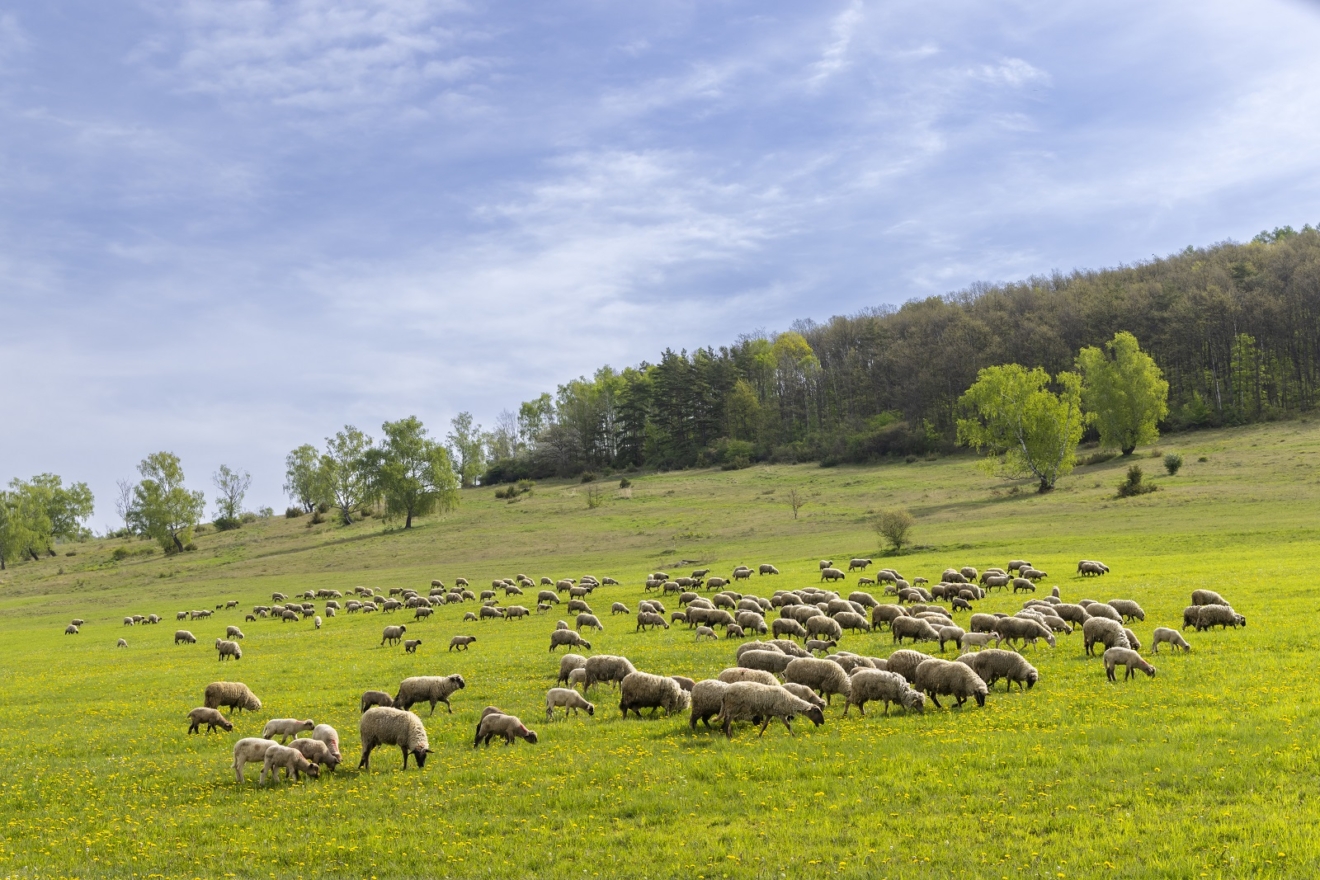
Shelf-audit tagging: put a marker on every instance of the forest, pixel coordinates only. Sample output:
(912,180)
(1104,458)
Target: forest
(1234,328)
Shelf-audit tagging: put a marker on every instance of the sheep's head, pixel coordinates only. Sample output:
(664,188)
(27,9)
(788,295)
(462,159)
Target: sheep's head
(914,700)
(980,698)
(458,679)
(1150,670)
(251,703)
(816,715)
(420,755)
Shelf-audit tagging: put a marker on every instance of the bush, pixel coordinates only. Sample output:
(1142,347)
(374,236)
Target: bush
(317,517)
(895,526)
(522,487)
(588,476)
(292,512)
(226,523)
(1203,459)
(595,497)
(323,507)
(624,483)
(1133,485)
(1172,462)
(1098,458)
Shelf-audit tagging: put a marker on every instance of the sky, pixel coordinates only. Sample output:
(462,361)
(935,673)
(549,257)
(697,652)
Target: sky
(229,228)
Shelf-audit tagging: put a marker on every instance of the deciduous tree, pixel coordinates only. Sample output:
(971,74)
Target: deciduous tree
(233,485)
(415,474)
(1124,392)
(162,508)
(347,471)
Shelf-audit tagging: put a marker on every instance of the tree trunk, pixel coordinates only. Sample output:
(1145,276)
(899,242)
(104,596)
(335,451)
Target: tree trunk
(407,523)
(1044,487)
(178,545)
(1128,450)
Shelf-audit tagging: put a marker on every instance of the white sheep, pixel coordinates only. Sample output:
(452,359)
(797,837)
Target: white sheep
(381,725)
(286,728)
(878,684)
(1126,657)
(428,689)
(507,726)
(642,690)
(748,700)
(1164,635)
(569,699)
(279,757)
(250,750)
(328,735)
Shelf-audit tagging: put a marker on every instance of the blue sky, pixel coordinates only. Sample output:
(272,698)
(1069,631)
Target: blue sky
(227,228)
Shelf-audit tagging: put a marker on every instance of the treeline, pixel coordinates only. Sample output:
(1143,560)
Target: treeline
(1235,328)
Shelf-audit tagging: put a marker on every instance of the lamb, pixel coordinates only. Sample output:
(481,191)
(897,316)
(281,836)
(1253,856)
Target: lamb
(651,619)
(393,634)
(561,637)
(381,725)
(122,643)
(507,726)
(742,673)
(1168,636)
(769,661)
(286,728)
(905,662)
(1132,639)
(567,664)
(914,628)
(748,700)
(642,690)
(250,750)
(706,698)
(957,680)
(72,630)
(1128,609)
(950,633)
(317,619)
(1204,597)
(328,735)
(823,676)
(823,645)
(993,664)
(606,667)
(802,692)
(1103,631)
(1129,658)
(1223,616)
(317,752)
(210,717)
(978,640)
(568,699)
(428,688)
(619,608)
(705,632)
(180,635)
(233,694)
(879,684)
(228,649)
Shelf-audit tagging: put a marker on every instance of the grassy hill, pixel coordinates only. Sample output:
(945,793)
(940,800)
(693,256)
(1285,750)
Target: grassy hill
(1204,770)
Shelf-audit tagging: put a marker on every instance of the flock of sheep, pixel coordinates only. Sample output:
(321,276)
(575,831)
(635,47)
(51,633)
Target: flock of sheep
(796,672)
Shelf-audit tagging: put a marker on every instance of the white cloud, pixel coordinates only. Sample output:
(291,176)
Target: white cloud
(835,56)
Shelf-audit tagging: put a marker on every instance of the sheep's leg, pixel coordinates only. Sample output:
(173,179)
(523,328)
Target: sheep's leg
(366,756)
(934,699)
(404,749)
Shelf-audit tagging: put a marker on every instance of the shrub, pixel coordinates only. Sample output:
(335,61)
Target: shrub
(1133,485)
(1098,458)
(225,523)
(189,547)
(1203,458)
(1172,462)
(588,476)
(624,483)
(595,497)
(293,512)
(323,507)
(72,553)
(317,517)
(910,459)
(895,526)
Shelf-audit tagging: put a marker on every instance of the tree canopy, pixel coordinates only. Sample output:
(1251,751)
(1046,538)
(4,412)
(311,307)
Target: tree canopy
(35,513)
(305,478)
(233,486)
(415,474)
(163,509)
(1124,392)
(348,472)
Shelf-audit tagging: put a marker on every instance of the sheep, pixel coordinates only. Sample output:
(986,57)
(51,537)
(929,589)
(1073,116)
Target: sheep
(550,597)
(651,619)
(233,694)
(317,752)
(1199,597)
(567,664)
(1107,611)
(489,612)
(705,701)
(461,642)
(1129,658)
(789,647)
(1128,609)
(824,626)
(802,692)
(823,676)
(515,612)
(569,699)
(852,620)
(584,621)
(749,700)
(849,662)
(742,673)
(752,620)
(1223,616)
(978,640)
(1021,584)
(858,563)
(428,688)
(317,619)
(684,682)
(606,667)
(993,664)
(375,698)
(705,632)
(233,632)
(122,643)
(769,661)
(210,717)
(410,645)
(831,574)
(950,633)
(381,725)
(250,750)
(228,649)
(642,690)
(813,645)
(180,635)
(826,563)
(507,726)
(914,628)
(1168,636)
(561,637)
(561,624)
(286,727)
(886,614)
(905,662)
(577,677)
(767,569)
(1105,632)
(1011,629)
(326,734)
(757,646)
(1133,643)
(393,634)
(1074,614)
(788,627)
(619,608)
(957,680)
(879,684)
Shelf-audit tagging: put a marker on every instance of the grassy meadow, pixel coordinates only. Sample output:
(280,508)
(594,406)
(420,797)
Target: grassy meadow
(1209,769)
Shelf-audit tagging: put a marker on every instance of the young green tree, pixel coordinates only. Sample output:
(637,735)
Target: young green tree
(1124,392)
(348,471)
(304,478)
(467,448)
(162,508)
(895,526)
(1015,416)
(42,510)
(415,474)
(233,485)
(11,537)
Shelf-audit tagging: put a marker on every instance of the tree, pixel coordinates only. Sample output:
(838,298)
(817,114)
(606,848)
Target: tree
(894,526)
(123,500)
(1125,392)
(1025,427)
(233,485)
(466,447)
(304,478)
(415,474)
(162,508)
(795,500)
(42,510)
(347,471)
(11,543)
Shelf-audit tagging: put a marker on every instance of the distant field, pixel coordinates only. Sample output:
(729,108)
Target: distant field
(1209,769)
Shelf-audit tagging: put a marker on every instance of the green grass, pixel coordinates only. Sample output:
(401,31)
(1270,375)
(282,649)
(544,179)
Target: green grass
(1206,770)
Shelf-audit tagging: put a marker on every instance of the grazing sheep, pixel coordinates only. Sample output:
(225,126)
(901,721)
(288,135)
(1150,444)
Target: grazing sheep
(858,563)
(561,624)
(851,620)
(1129,658)
(1133,643)
(742,673)
(381,725)
(428,689)
(802,692)
(250,750)
(993,664)
(288,728)
(180,635)
(375,698)
(72,630)
(1074,614)
(393,634)
(210,717)
(757,646)
(769,661)
(1164,635)
(1103,631)
(606,667)
(705,632)
(824,626)
(1199,597)
(228,649)
(1021,584)
(1024,629)
(1127,609)
(122,643)
(461,642)
(585,621)
(651,619)
(326,734)
(489,612)
(767,569)
(905,662)
(915,628)
(886,614)
(507,726)
(879,684)
(789,647)
(748,701)
(705,700)
(1223,616)
(619,608)
(831,574)
(233,694)
(233,632)
(950,633)
(785,626)
(317,752)
(957,680)
(514,612)
(823,676)
(642,690)
(569,699)
(1107,611)
(826,563)
(561,637)
(567,664)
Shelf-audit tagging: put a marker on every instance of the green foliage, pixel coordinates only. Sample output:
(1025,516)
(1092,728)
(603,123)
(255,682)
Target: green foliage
(587,477)
(36,513)
(348,472)
(163,509)
(895,526)
(1133,484)
(415,474)
(293,512)
(1025,427)
(467,449)
(305,480)
(595,497)
(1124,393)
(1172,463)
(625,483)
(233,486)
